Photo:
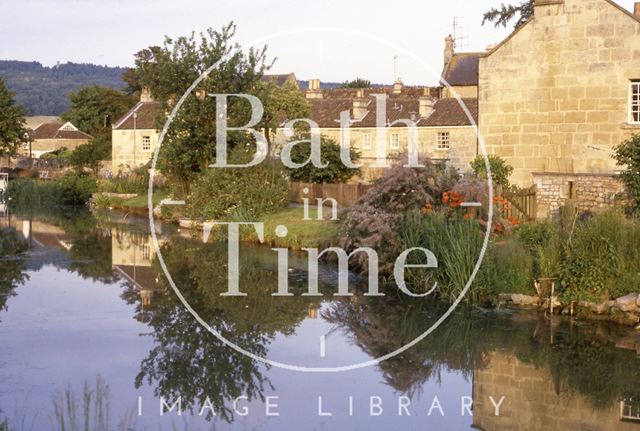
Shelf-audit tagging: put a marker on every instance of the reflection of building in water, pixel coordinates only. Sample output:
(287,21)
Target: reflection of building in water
(532,401)
(132,254)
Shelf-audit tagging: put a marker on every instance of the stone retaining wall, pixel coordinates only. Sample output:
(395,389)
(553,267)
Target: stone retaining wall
(588,191)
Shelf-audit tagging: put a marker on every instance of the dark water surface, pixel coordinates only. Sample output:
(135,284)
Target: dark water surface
(90,327)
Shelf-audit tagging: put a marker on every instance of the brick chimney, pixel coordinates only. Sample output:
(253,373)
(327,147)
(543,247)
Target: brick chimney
(636,9)
(314,91)
(359,105)
(448,49)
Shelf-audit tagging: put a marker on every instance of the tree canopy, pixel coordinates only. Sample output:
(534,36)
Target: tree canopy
(12,127)
(94,107)
(334,172)
(356,83)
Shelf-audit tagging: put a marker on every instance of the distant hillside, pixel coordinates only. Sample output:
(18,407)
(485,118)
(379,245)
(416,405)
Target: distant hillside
(44,90)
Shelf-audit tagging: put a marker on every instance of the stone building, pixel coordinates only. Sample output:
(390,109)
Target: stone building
(444,129)
(135,136)
(559,94)
(54,135)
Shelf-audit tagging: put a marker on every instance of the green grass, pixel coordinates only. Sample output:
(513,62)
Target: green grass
(140,201)
(301,233)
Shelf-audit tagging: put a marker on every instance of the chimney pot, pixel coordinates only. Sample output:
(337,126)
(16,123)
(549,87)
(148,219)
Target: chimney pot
(636,9)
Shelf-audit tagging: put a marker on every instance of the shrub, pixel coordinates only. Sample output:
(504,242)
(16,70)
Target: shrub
(70,189)
(601,259)
(507,268)
(334,172)
(220,193)
(374,220)
(500,170)
(627,155)
(128,182)
(543,243)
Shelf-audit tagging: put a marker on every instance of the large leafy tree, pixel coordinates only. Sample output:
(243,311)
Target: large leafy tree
(281,104)
(12,127)
(94,108)
(168,71)
(521,13)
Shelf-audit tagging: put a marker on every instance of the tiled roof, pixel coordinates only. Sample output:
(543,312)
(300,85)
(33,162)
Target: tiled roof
(144,118)
(56,130)
(447,112)
(462,69)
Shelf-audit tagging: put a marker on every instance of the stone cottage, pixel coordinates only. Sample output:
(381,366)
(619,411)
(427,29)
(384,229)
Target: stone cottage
(444,129)
(54,135)
(135,136)
(559,94)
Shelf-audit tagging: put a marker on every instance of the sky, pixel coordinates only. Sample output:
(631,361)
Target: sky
(332,40)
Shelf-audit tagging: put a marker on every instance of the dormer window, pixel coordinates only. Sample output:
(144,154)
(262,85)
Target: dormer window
(634,101)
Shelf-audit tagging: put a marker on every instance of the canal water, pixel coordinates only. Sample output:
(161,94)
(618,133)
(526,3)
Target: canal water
(94,337)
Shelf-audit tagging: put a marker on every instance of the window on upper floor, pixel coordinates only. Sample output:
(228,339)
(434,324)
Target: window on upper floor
(634,101)
(366,141)
(146,143)
(442,141)
(395,141)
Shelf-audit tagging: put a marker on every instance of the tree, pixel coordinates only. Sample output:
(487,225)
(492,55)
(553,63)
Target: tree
(627,155)
(280,105)
(12,128)
(94,108)
(500,17)
(335,172)
(169,70)
(356,83)
(90,155)
(500,170)
(132,82)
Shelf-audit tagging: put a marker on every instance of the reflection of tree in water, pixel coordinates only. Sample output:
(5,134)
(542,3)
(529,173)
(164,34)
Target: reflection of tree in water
(90,256)
(579,359)
(12,264)
(382,325)
(191,363)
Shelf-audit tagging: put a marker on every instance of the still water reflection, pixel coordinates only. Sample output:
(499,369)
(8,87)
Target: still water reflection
(86,302)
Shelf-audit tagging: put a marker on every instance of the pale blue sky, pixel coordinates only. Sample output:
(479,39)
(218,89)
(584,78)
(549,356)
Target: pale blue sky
(110,31)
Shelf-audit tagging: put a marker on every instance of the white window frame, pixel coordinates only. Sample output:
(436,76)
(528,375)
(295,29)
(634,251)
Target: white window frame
(394,141)
(443,141)
(634,105)
(146,143)
(366,141)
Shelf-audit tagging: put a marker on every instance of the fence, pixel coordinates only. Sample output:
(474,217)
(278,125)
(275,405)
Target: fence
(523,204)
(344,194)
